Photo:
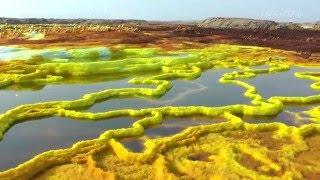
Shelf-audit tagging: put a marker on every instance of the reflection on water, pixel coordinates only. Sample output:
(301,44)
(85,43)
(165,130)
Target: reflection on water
(170,126)
(25,140)
(292,115)
(74,89)
(174,125)
(11,99)
(206,91)
(283,83)
(134,144)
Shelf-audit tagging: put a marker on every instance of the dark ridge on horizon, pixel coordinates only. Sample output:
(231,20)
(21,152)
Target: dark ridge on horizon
(5,20)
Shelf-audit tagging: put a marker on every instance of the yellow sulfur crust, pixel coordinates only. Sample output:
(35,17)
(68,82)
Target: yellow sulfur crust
(216,151)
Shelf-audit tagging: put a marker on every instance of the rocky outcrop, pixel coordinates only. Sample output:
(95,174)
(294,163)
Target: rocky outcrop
(292,26)
(316,26)
(247,24)
(237,23)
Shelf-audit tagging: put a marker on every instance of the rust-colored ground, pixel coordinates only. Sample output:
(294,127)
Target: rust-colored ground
(305,43)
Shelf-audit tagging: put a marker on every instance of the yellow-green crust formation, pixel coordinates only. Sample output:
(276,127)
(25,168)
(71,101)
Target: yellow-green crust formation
(217,151)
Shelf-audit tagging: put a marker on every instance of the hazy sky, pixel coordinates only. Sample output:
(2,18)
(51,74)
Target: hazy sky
(281,10)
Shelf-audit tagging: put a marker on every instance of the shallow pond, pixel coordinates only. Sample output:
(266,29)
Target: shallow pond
(205,91)
(283,83)
(23,141)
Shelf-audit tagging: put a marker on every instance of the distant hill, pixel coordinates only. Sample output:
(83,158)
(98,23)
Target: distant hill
(69,21)
(253,24)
